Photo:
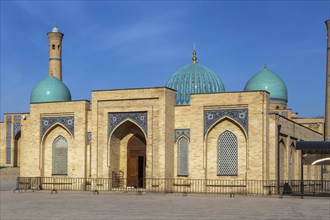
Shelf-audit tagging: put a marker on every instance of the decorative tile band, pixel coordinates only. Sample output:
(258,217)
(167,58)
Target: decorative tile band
(17,117)
(8,142)
(140,118)
(181,132)
(212,116)
(47,122)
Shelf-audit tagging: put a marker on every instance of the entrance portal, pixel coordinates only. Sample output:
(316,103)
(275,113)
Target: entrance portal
(136,161)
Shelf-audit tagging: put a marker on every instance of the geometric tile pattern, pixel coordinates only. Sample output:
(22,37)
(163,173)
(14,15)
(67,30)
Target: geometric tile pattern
(227,154)
(17,117)
(183,152)
(17,124)
(239,115)
(8,139)
(181,132)
(140,118)
(60,156)
(47,122)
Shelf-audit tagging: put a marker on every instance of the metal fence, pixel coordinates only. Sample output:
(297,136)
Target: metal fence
(223,187)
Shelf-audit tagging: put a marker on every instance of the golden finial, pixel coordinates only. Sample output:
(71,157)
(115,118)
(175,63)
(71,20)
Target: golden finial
(194,59)
(265,67)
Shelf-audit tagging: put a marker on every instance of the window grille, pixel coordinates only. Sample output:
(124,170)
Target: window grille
(60,156)
(183,157)
(227,154)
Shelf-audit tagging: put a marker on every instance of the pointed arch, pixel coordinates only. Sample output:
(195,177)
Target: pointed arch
(214,143)
(117,145)
(213,116)
(229,119)
(227,154)
(53,127)
(125,122)
(140,118)
(47,149)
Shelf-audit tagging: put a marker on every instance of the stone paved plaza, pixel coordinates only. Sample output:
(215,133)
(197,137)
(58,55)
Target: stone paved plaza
(106,205)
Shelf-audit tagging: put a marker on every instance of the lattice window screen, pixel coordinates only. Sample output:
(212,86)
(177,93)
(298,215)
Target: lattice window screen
(227,154)
(183,157)
(60,156)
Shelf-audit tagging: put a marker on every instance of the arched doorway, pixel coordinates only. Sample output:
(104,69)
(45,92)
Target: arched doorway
(136,161)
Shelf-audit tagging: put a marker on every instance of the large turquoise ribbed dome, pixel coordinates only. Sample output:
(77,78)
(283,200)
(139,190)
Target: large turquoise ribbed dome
(50,89)
(270,82)
(194,79)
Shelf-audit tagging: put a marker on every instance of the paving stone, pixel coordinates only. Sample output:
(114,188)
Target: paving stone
(107,205)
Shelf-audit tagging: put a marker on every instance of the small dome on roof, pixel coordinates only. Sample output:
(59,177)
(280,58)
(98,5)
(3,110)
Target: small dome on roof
(55,29)
(194,79)
(270,82)
(50,89)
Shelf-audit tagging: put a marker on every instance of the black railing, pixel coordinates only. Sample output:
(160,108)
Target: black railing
(223,187)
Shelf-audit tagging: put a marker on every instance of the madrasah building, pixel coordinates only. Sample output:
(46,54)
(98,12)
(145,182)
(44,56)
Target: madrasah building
(189,129)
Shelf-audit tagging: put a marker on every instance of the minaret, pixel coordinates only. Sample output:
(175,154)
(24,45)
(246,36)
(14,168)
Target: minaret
(327,87)
(55,53)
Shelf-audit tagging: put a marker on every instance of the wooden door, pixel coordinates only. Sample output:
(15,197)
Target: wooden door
(136,157)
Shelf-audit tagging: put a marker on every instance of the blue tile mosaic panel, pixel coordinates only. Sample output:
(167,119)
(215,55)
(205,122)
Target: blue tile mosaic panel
(47,122)
(17,124)
(17,127)
(181,132)
(212,116)
(17,117)
(8,139)
(140,118)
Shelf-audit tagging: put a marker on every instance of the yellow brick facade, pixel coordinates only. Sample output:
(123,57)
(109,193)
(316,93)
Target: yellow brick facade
(83,139)
(95,151)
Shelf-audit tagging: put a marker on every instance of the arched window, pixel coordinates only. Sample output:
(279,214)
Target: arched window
(227,154)
(53,46)
(60,156)
(183,156)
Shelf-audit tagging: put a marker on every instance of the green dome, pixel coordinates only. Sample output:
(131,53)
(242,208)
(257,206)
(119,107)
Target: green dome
(270,82)
(50,89)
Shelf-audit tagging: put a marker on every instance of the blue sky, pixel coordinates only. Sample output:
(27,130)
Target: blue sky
(133,44)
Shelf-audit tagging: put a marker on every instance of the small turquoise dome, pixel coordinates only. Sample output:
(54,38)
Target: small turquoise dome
(194,79)
(55,29)
(270,82)
(50,89)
